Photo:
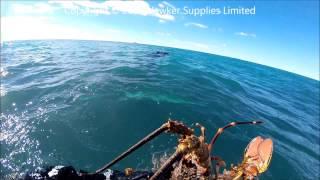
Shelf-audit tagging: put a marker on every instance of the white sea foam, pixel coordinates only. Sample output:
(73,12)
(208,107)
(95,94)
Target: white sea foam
(3,72)
(108,174)
(54,171)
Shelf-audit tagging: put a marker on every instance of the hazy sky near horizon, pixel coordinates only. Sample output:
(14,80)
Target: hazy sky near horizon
(281,34)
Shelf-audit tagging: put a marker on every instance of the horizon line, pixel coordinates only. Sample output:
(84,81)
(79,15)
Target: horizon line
(133,42)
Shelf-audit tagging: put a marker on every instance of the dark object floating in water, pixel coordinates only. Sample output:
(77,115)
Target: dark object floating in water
(158,54)
(191,160)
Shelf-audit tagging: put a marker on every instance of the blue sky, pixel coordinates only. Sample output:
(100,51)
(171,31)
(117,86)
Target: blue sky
(281,34)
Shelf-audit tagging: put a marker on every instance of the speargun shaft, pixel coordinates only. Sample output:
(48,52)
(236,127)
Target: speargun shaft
(143,141)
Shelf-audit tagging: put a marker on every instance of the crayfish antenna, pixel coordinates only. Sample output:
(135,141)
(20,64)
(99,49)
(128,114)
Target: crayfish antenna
(203,131)
(232,124)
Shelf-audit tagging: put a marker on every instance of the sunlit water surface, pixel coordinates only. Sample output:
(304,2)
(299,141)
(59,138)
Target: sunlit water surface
(81,103)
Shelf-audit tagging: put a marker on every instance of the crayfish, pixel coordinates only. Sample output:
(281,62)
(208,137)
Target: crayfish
(192,158)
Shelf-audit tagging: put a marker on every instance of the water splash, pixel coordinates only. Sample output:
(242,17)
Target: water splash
(3,72)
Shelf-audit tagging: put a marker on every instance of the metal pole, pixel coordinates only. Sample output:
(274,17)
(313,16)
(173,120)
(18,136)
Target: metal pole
(134,147)
(173,158)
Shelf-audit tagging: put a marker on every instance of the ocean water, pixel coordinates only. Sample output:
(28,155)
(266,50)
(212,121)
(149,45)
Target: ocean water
(82,103)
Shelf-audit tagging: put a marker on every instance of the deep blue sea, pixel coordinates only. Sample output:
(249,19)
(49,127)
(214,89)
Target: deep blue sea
(81,103)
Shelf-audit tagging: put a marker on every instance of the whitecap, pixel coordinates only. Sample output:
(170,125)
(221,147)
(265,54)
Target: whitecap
(29,103)
(3,72)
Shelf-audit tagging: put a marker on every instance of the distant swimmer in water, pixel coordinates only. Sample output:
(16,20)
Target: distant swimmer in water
(158,54)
